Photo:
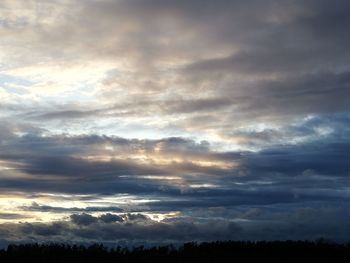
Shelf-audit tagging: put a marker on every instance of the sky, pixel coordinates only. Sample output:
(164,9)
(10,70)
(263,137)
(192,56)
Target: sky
(165,121)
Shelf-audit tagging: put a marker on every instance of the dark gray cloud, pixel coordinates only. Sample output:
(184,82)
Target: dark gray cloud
(46,230)
(265,223)
(109,218)
(11,216)
(83,219)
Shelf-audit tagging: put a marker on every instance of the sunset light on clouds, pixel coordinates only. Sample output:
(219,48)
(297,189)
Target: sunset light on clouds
(169,121)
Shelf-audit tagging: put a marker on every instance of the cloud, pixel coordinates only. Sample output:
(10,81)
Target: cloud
(57,209)
(109,218)
(9,216)
(134,110)
(83,219)
(181,168)
(45,230)
(263,224)
(273,51)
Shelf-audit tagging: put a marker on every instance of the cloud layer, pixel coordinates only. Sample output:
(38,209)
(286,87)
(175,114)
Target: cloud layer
(174,120)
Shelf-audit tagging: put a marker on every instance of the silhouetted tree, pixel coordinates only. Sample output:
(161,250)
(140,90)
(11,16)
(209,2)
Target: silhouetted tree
(219,251)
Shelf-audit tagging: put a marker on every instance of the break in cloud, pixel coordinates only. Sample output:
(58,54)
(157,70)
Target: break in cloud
(169,121)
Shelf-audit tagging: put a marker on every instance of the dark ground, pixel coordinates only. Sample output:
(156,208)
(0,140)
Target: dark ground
(227,251)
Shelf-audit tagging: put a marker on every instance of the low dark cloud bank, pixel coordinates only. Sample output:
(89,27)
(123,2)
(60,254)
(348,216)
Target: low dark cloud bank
(294,224)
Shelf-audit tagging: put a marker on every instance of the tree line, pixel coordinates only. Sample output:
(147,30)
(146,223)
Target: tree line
(219,251)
